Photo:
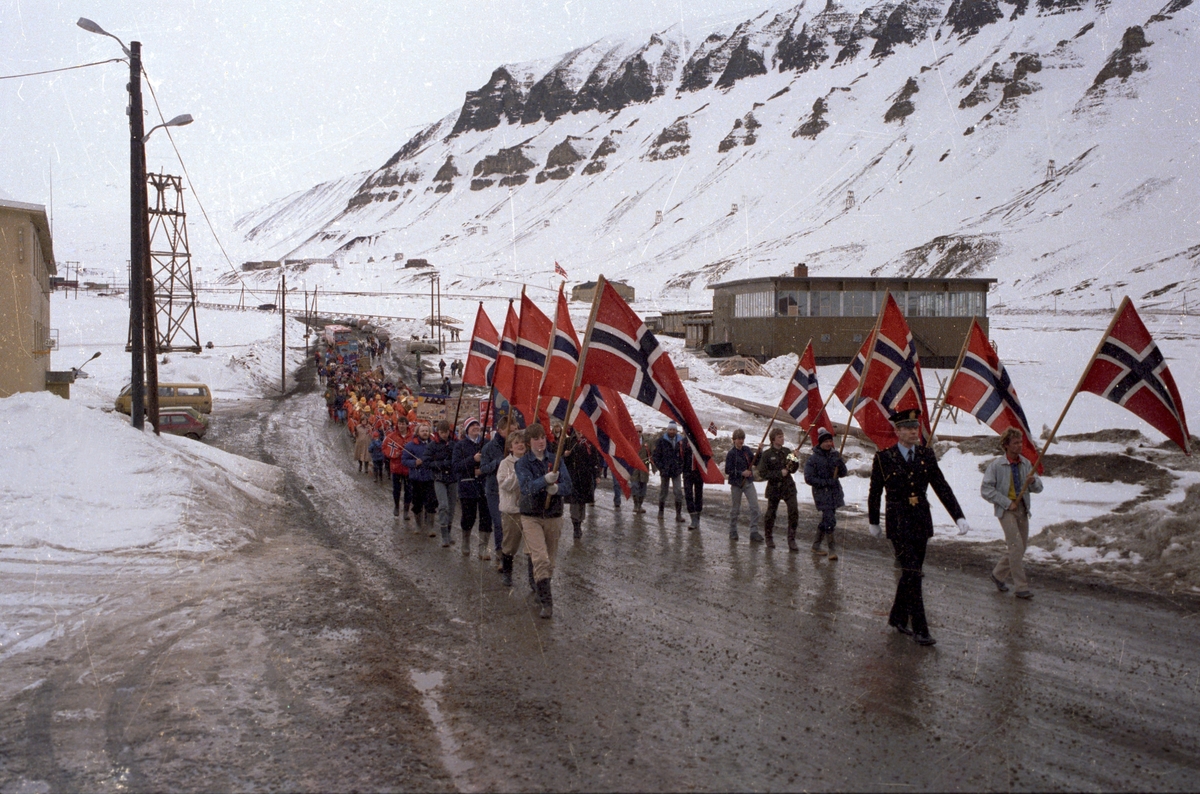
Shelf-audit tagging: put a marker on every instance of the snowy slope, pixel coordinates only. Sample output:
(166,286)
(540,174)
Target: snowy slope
(890,138)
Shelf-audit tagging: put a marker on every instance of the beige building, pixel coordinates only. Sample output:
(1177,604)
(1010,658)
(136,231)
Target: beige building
(26,265)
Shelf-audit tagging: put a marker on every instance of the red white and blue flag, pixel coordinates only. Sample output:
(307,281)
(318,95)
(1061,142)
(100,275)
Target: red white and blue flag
(893,373)
(561,366)
(529,353)
(506,361)
(558,270)
(485,347)
(982,388)
(623,355)
(602,418)
(869,414)
(1129,370)
(802,398)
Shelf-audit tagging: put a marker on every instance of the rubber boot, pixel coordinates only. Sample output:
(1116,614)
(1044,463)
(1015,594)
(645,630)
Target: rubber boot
(529,560)
(484,545)
(662,507)
(637,506)
(755,535)
(546,598)
(816,546)
(679,513)
(695,523)
(770,533)
(832,549)
(506,562)
(792,539)
(466,549)
(396,510)
(577,529)
(446,538)
(419,524)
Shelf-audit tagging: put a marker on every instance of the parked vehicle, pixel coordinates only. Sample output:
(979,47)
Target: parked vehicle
(183,422)
(172,395)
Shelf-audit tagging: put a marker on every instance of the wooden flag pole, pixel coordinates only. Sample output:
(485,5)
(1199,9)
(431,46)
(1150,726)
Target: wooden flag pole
(775,415)
(1067,407)
(866,368)
(583,348)
(957,366)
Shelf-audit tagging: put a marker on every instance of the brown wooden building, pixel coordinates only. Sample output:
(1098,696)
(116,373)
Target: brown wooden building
(772,316)
(26,267)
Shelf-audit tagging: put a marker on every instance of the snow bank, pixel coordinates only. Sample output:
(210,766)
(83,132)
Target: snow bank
(76,479)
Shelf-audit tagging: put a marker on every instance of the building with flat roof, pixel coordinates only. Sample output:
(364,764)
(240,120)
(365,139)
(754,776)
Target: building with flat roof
(775,315)
(26,266)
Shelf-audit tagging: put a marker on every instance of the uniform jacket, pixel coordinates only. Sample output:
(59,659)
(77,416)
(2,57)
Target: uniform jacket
(413,450)
(582,461)
(489,463)
(777,470)
(822,471)
(997,478)
(508,485)
(670,457)
(470,486)
(907,511)
(736,462)
(531,474)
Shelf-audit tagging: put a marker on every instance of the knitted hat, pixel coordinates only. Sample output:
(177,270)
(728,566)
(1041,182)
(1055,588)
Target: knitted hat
(823,434)
(467,424)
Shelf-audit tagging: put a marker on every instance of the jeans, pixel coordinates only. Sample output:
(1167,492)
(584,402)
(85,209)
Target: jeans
(616,492)
(493,503)
(447,496)
(673,483)
(736,492)
(637,490)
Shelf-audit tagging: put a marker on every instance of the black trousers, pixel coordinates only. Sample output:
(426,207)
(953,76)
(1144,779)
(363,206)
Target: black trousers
(401,486)
(909,603)
(828,522)
(424,500)
(471,507)
(793,513)
(693,492)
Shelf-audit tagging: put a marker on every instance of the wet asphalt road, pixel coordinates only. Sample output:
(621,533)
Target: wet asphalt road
(679,660)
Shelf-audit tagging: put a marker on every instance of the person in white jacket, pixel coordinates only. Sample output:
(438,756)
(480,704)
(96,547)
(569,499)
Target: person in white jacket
(510,494)
(1002,482)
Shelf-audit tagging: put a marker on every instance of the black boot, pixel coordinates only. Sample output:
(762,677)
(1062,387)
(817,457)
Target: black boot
(769,531)
(532,584)
(832,550)
(679,519)
(816,547)
(506,562)
(792,539)
(546,598)
(662,507)
(577,527)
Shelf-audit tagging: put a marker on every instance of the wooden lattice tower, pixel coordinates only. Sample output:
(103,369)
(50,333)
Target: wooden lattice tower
(171,262)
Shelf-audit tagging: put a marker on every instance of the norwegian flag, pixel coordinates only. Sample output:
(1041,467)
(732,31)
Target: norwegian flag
(485,347)
(624,355)
(869,414)
(506,361)
(533,341)
(558,270)
(802,398)
(982,388)
(1129,370)
(564,360)
(602,418)
(893,373)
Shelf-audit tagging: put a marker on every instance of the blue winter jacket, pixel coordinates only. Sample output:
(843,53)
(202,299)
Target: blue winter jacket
(418,449)
(489,463)
(463,462)
(531,474)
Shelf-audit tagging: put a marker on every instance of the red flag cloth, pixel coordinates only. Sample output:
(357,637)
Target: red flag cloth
(533,340)
(982,389)
(893,375)
(623,355)
(802,398)
(563,361)
(868,413)
(602,418)
(558,269)
(506,362)
(1129,370)
(485,347)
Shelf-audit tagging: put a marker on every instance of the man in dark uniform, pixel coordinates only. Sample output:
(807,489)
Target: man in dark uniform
(777,465)
(905,471)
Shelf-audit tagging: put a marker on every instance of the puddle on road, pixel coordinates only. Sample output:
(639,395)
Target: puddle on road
(428,684)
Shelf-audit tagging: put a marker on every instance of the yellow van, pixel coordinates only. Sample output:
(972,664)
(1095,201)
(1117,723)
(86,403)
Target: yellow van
(173,395)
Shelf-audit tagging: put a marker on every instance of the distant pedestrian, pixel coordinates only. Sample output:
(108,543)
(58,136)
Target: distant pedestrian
(1004,478)
(420,375)
(670,454)
(822,471)
(693,488)
(446,386)
(442,367)
(776,465)
(362,446)
(739,469)
(376,451)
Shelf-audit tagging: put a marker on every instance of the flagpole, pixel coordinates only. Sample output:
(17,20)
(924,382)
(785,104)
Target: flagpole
(775,415)
(537,404)
(866,368)
(1071,399)
(957,366)
(583,348)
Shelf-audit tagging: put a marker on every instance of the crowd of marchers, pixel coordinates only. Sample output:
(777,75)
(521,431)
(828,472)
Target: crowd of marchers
(501,483)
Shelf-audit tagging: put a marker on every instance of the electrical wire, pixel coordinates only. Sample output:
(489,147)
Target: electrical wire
(63,69)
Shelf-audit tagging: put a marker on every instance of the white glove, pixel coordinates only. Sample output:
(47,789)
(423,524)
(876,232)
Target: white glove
(551,477)
(875,530)
(963,526)
(552,489)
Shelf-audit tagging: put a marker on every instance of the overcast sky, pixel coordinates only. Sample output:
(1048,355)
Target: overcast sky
(285,94)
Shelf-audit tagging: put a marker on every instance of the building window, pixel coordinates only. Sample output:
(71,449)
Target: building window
(824,337)
(827,303)
(858,304)
(753,304)
(791,303)
(858,337)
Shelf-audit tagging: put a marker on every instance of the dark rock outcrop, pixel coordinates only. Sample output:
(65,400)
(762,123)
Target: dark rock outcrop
(414,145)
(501,98)
(743,133)
(903,107)
(564,153)
(968,17)
(508,161)
(906,24)
(550,98)
(1059,6)
(813,126)
(1125,60)
(672,142)
(447,172)
(743,62)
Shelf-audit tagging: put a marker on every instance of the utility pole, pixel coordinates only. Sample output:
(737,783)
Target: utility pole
(441,344)
(137,179)
(283,333)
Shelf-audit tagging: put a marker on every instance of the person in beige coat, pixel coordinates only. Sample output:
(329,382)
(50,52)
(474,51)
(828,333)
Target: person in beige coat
(510,495)
(362,446)
(1002,482)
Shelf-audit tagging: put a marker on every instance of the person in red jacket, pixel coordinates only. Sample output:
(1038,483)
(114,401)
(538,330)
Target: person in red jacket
(393,449)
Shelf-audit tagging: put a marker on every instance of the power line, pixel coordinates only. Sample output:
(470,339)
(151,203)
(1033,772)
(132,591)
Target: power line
(63,69)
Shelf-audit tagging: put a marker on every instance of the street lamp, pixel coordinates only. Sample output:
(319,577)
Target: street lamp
(143,343)
(181,120)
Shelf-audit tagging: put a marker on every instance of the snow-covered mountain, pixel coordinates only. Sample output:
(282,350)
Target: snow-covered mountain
(1050,144)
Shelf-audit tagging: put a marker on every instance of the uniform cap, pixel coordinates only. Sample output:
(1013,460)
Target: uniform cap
(909,417)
